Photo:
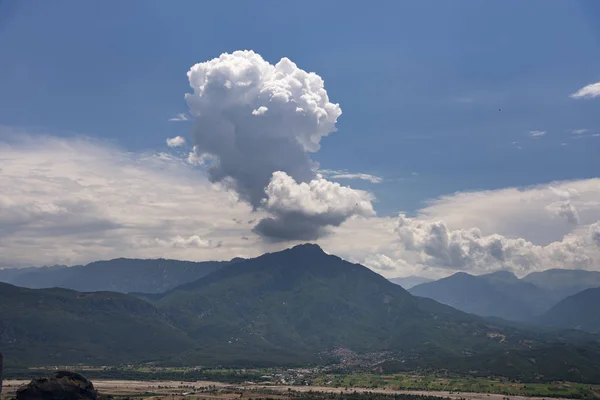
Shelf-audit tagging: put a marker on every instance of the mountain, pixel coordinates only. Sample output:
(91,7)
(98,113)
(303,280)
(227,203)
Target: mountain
(499,294)
(579,311)
(289,306)
(60,326)
(8,275)
(408,282)
(564,282)
(122,275)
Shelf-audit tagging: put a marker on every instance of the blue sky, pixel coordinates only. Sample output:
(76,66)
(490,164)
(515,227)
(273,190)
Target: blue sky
(434,94)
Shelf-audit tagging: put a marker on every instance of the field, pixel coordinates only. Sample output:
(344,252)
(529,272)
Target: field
(461,384)
(223,383)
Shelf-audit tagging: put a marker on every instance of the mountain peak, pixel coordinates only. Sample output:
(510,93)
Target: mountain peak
(311,248)
(504,275)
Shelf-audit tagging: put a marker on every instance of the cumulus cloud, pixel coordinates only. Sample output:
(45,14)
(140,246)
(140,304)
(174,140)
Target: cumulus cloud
(384,263)
(551,225)
(256,119)
(537,134)
(179,118)
(529,212)
(469,249)
(193,241)
(260,110)
(304,210)
(176,141)
(588,92)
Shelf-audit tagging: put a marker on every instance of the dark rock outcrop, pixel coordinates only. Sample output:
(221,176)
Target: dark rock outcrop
(62,385)
(1,376)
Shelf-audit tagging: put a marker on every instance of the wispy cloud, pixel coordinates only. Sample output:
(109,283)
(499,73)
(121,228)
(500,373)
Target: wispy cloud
(579,131)
(339,174)
(587,92)
(537,134)
(179,117)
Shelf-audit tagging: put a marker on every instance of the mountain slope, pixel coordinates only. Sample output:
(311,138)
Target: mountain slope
(564,282)
(580,311)
(119,275)
(408,282)
(500,294)
(59,326)
(301,301)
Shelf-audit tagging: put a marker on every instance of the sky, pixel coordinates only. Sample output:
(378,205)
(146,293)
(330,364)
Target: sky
(415,137)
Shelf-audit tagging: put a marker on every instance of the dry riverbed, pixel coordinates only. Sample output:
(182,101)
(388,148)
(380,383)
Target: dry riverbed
(158,389)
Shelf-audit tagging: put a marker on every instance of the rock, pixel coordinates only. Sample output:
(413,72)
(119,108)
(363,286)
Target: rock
(62,385)
(1,376)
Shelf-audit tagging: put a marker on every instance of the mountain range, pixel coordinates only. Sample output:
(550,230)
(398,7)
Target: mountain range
(286,308)
(501,294)
(579,311)
(124,275)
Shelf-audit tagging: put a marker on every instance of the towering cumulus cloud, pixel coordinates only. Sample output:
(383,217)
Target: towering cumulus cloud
(260,122)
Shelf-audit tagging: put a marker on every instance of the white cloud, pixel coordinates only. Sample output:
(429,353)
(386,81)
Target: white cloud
(193,241)
(519,212)
(588,92)
(72,201)
(536,134)
(468,249)
(338,174)
(260,110)
(77,200)
(179,118)
(176,141)
(364,177)
(303,210)
(318,197)
(579,131)
(229,93)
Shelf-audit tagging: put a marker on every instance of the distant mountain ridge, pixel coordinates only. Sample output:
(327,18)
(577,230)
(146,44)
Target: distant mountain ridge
(124,275)
(408,282)
(564,282)
(502,294)
(579,311)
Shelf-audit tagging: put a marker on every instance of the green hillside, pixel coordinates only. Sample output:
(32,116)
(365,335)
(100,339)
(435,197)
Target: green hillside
(59,326)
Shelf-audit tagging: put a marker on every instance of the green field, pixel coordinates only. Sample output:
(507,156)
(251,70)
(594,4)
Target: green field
(459,384)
